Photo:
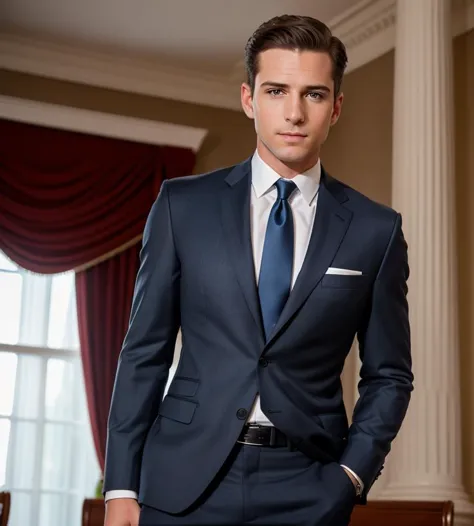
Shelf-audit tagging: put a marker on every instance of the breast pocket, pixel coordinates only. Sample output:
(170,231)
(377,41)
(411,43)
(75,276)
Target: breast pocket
(344,281)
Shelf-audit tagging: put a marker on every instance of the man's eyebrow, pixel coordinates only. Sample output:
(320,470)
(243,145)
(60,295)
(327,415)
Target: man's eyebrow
(280,85)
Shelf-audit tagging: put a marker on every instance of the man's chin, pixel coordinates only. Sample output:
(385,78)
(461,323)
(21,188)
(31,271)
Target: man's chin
(294,158)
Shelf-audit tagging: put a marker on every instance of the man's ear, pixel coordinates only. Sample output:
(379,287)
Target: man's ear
(246,99)
(337,108)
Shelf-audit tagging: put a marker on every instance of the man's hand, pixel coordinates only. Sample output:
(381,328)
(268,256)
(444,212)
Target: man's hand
(122,512)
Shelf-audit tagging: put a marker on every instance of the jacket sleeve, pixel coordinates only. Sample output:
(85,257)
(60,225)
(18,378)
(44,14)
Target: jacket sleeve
(386,377)
(147,351)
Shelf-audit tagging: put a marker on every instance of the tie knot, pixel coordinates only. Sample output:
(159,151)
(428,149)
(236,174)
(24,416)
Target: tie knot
(285,188)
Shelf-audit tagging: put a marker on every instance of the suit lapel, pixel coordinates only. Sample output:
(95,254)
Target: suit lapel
(330,226)
(235,208)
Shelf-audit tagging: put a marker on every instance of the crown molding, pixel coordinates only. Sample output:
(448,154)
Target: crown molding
(366,28)
(98,123)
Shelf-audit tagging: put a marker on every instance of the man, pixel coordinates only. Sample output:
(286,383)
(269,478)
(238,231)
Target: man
(270,268)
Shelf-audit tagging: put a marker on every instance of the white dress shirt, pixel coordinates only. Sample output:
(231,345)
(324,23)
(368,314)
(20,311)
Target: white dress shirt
(303,203)
(303,206)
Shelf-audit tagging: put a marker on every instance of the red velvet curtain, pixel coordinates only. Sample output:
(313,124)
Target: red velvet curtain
(104,295)
(67,199)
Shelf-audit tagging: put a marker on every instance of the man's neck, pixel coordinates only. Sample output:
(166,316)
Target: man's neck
(285,170)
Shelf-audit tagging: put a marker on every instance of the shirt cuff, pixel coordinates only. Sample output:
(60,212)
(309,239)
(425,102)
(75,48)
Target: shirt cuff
(355,476)
(120,494)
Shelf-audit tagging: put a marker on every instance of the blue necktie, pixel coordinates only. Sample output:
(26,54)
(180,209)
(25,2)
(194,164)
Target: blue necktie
(276,268)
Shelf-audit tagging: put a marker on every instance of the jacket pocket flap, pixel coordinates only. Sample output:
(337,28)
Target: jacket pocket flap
(182,386)
(177,409)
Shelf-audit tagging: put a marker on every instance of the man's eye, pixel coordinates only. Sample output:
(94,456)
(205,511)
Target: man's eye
(315,95)
(275,92)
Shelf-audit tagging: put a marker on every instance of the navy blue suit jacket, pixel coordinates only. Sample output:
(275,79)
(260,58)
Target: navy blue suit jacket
(197,273)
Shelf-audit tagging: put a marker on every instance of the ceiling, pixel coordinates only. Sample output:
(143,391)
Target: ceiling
(202,35)
(187,50)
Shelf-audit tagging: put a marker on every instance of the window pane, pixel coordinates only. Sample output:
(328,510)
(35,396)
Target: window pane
(6,264)
(84,473)
(79,409)
(29,373)
(23,454)
(53,511)
(63,331)
(57,456)
(8,364)
(4,440)
(10,307)
(35,308)
(20,511)
(74,510)
(60,383)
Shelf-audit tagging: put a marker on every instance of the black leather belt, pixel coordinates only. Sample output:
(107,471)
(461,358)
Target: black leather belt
(258,435)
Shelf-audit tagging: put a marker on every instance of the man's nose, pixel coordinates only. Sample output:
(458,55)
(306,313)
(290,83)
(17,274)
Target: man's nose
(294,111)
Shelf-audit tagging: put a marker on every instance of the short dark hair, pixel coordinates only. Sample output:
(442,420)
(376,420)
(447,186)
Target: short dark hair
(294,32)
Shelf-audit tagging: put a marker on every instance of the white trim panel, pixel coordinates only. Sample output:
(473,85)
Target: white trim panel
(98,123)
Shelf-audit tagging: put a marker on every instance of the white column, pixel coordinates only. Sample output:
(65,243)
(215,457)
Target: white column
(426,461)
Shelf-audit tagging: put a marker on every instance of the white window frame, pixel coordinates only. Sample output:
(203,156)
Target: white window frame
(33,323)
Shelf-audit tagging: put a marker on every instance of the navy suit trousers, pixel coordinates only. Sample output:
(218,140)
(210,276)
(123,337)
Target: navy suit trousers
(268,486)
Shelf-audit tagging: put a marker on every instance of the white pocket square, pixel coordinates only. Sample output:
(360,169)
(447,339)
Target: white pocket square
(343,272)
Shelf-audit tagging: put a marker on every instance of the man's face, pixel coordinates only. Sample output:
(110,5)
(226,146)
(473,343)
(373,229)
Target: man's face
(293,107)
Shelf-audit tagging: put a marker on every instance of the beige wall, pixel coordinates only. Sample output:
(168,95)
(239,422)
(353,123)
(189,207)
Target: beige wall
(359,151)
(359,147)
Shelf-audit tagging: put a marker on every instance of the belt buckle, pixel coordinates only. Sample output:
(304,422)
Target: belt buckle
(246,438)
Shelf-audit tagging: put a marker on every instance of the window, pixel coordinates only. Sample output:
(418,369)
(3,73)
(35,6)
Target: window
(47,457)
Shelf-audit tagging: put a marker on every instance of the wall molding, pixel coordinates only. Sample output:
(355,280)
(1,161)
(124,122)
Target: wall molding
(367,29)
(98,123)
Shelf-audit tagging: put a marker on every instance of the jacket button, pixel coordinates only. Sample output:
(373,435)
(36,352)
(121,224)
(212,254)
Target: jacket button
(242,413)
(263,362)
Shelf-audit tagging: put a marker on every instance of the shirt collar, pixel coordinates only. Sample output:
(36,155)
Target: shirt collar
(264,177)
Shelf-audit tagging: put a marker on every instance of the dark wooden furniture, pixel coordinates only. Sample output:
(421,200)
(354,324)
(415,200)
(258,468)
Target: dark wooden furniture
(404,513)
(5,500)
(376,513)
(93,512)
